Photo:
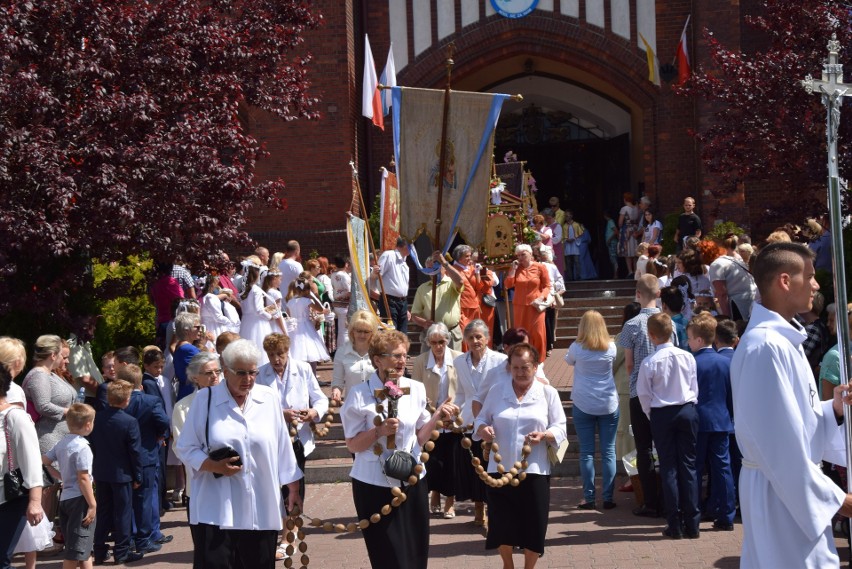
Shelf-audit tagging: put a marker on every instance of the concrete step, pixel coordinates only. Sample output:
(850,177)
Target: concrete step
(327,470)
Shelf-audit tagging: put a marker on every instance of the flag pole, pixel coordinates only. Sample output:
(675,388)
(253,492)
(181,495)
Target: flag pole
(371,245)
(442,168)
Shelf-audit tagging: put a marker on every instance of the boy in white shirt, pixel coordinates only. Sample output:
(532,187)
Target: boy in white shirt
(77,507)
(668,391)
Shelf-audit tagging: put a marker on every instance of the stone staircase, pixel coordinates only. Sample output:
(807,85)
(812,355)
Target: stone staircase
(331,460)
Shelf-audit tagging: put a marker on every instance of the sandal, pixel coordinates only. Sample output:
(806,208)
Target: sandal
(281,552)
(449,514)
(436,509)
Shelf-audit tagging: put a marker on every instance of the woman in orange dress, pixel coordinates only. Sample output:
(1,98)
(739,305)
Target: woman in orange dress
(531,282)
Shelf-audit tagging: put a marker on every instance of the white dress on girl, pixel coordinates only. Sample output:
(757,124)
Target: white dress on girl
(306,342)
(257,322)
(218,315)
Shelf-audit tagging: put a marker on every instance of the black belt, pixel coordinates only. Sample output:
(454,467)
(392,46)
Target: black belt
(396,298)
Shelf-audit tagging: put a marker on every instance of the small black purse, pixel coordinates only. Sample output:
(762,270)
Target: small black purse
(399,465)
(13,481)
(220,453)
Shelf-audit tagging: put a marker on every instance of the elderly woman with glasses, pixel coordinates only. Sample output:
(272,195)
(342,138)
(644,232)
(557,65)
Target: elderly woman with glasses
(435,369)
(399,539)
(236,499)
(531,281)
(188,331)
(518,414)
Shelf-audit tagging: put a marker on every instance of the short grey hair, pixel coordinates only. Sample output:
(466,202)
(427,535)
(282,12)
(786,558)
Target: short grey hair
(475,325)
(241,350)
(185,322)
(461,251)
(523,247)
(546,253)
(197,362)
(645,200)
(437,328)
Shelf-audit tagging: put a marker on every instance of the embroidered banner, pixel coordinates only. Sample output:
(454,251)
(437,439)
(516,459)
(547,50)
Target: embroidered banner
(417,117)
(390,210)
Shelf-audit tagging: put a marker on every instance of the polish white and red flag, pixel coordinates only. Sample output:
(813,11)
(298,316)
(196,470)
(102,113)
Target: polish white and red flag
(683,67)
(371,103)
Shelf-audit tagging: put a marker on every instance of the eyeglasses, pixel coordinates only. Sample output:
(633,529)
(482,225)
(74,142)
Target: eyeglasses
(246,372)
(437,342)
(398,357)
(211,373)
(199,327)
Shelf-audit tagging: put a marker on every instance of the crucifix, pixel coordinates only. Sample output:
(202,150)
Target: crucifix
(832,89)
(392,396)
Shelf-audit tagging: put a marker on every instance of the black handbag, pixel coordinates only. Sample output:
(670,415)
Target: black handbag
(399,465)
(220,453)
(13,481)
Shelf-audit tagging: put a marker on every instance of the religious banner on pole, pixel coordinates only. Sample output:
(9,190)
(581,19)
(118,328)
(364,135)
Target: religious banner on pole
(389,210)
(417,142)
(359,256)
(512,175)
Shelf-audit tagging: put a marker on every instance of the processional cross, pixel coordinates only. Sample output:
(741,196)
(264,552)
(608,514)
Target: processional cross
(392,394)
(832,89)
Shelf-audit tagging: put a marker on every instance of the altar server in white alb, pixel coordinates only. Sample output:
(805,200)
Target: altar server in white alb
(782,427)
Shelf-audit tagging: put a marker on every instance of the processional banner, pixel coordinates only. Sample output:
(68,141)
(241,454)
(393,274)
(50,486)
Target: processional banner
(389,210)
(417,126)
(359,255)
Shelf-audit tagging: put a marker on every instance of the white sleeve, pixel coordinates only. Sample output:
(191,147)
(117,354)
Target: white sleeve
(316,398)
(556,422)
(190,446)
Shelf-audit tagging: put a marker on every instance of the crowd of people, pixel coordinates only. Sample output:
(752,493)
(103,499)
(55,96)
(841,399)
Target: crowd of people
(472,418)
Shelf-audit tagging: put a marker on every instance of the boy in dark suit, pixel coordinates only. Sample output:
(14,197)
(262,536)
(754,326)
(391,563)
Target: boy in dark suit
(714,420)
(117,470)
(152,366)
(153,428)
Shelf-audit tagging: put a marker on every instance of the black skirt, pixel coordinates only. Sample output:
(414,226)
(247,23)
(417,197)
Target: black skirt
(401,539)
(468,484)
(517,516)
(441,470)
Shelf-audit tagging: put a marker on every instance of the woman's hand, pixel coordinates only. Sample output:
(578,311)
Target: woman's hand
(537,437)
(447,410)
(486,433)
(388,427)
(225,467)
(34,512)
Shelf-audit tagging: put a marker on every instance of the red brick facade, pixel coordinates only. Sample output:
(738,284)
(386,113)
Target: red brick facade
(313,157)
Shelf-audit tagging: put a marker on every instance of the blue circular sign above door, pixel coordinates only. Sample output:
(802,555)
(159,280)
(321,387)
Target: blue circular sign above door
(514,8)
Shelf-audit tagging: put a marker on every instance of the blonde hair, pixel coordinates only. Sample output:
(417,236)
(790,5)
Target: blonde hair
(592,332)
(78,415)
(118,392)
(11,351)
(131,373)
(362,317)
(703,326)
(46,346)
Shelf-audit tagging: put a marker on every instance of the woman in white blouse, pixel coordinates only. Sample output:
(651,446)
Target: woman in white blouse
(239,511)
(595,404)
(352,365)
(217,313)
(523,411)
(399,540)
(436,370)
(471,368)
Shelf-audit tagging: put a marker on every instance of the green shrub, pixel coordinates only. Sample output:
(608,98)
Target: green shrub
(669,230)
(127,320)
(720,230)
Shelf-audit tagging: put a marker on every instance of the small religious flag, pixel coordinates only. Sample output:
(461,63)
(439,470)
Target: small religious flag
(653,63)
(683,67)
(388,78)
(371,104)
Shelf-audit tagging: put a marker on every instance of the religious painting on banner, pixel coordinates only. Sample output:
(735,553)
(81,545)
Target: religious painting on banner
(464,188)
(359,255)
(389,210)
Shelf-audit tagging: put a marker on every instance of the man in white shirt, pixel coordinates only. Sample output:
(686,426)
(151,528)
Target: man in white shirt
(392,268)
(782,427)
(341,285)
(668,391)
(290,269)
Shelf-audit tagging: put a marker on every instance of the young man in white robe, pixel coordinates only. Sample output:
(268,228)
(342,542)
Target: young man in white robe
(782,427)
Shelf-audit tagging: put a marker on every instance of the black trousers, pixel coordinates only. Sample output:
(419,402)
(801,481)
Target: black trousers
(218,548)
(644,453)
(398,313)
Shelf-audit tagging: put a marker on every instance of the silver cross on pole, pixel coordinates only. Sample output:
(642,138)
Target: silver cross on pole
(832,89)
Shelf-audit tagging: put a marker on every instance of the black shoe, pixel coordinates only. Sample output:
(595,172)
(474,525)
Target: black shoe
(723,526)
(609,505)
(152,547)
(165,539)
(129,558)
(586,506)
(645,512)
(692,534)
(102,560)
(672,534)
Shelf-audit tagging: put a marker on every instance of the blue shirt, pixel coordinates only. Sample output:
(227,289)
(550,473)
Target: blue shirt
(634,336)
(594,390)
(73,454)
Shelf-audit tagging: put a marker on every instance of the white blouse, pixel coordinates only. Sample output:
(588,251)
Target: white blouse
(297,388)
(350,368)
(218,315)
(357,416)
(250,499)
(470,378)
(512,420)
